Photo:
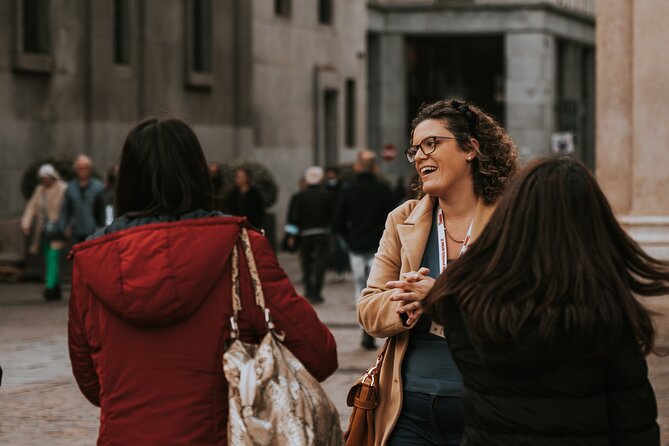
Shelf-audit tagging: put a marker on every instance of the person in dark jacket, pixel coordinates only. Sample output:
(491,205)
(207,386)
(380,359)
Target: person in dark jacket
(543,319)
(360,217)
(310,214)
(339,261)
(80,216)
(245,200)
(152,297)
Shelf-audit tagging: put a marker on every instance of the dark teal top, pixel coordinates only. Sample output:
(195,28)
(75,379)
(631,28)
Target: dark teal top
(428,365)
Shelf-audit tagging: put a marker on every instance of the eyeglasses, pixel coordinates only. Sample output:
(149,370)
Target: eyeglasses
(428,145)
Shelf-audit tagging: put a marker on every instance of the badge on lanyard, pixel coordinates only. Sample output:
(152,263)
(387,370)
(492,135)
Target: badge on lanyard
(435,328)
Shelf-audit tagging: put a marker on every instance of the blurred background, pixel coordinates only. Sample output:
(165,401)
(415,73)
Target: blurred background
(291,83)
(281,85)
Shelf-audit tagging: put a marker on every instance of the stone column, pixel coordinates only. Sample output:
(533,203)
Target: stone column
(632,108)
(530,90)
(391,115)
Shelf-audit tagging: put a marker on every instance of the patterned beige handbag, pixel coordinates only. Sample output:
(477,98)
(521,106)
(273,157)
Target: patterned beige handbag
(272,397)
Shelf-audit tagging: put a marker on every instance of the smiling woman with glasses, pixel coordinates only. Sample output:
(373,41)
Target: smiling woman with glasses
(464,160)
(427,146)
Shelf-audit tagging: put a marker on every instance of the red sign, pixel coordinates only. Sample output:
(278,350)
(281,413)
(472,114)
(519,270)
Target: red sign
(389,152)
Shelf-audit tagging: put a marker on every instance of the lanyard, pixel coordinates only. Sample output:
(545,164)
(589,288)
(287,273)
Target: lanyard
(443,250)
(435,328)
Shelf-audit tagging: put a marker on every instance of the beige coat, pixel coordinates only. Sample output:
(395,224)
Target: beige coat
(33,216)
(400,250)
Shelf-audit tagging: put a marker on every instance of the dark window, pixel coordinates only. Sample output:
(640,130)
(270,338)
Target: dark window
(331,127)
(35,26)
(350,112)
(282,8)
(122,32)
(201,36)
(325,12)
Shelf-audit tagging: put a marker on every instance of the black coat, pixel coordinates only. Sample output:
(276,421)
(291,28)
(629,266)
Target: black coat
(311,209)
(529,395)
(362,210)
(249,205)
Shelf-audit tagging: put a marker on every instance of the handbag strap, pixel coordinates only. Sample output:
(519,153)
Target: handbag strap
(258,294)
(374,370)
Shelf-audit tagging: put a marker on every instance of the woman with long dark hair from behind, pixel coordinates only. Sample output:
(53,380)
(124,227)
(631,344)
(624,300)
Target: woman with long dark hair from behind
(543,319)
(152,297)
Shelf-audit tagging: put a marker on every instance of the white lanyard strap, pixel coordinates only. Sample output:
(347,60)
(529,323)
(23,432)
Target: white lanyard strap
(443,250)
(435,328)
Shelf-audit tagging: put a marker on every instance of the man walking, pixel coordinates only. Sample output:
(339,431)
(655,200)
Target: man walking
(310,213)
(78,217)
(360,218)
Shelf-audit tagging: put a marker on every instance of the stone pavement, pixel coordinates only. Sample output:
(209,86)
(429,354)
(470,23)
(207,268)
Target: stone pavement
(40,402)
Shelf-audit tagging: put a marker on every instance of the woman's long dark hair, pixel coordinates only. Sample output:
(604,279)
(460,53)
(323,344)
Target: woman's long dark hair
(163,170)
(553,257)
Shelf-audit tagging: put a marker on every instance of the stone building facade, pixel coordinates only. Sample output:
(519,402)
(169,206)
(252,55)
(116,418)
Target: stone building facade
(632,110)
(528,62)
(279,81)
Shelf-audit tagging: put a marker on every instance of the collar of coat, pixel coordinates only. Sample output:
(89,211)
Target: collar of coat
(415,230)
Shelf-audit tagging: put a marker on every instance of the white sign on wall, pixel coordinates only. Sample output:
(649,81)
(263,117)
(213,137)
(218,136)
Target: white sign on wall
(562,143)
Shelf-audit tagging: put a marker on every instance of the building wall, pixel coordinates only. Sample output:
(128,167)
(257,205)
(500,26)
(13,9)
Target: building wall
(87,103)
(40,114)
(533,33)
(295,59)
(632,106)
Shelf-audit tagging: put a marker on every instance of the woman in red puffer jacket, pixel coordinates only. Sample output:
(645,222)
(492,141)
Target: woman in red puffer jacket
(151,300)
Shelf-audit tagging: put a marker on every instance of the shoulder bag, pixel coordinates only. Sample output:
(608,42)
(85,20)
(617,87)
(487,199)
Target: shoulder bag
(273,399)
(364,397)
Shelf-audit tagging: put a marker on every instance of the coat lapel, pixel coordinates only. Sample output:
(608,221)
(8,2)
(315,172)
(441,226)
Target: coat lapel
(415,230)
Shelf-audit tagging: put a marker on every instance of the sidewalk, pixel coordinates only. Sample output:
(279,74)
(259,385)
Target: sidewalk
(41,404)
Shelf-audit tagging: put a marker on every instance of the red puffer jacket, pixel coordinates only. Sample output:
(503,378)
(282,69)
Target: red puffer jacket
(149,321)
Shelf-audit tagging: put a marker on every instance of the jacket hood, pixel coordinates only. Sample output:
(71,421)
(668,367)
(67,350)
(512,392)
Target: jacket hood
(157,274)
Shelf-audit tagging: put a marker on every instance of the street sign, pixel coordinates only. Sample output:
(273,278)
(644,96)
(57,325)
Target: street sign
(389,152)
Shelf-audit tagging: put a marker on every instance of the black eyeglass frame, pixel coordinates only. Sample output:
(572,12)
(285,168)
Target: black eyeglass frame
(411,157)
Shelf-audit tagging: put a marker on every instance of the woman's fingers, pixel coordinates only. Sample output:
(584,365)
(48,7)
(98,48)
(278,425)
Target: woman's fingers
(406,297)
(412,306)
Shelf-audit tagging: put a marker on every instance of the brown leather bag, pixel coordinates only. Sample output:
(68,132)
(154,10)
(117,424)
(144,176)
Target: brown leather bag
(364,397)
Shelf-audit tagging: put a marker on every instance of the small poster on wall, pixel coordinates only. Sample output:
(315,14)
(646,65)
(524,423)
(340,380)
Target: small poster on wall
(562,143)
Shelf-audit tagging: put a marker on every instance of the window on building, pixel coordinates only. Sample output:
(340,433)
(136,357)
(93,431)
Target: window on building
(282,8)
(350,112)
(199,45)
(33,36)
(35,23)
(122,34)
(325,12)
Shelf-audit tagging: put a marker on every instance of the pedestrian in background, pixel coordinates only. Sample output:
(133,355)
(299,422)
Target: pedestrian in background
(80,216)
(360,215)
(41,217)
(465,160)
(339,261)
(544,322)
(107,198)
(311,214)
(216,175)
(291,236)
(152,299)
(245,200)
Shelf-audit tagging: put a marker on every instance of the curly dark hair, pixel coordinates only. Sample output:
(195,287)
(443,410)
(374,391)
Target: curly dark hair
(497,156)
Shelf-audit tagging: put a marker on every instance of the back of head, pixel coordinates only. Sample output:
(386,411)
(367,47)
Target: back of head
(47,170)
(366,162)
(313,175)
(162,171)
(554,255)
